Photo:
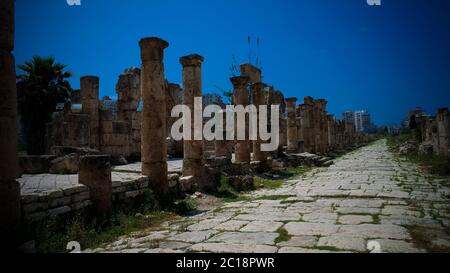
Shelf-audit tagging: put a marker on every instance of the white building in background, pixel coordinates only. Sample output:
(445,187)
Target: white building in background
(363,122)
(361,119)
(349,116)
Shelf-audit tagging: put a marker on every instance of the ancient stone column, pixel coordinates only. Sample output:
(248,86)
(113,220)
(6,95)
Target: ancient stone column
(443,123)
(331,132)
(95,173)
(259,98)
(240,97)
(89,89)
(309,131)
(292,139)
(224,148)
(251,71)
(173,98)
(192,88)
(276,97)
(9,187)
(154,147)
(128,90)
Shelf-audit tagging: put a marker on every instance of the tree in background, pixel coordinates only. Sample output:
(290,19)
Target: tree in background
(39,90)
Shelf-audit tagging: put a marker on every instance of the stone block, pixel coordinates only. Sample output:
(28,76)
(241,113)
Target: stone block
(80,196)
(65,165)
(95,173)
(59,211)
(81,205)
(33,207)
(35,164)
(35,217)
(58,202)
(74,189)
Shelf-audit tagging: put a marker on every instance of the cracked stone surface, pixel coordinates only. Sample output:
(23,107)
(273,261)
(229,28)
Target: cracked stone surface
(368,195)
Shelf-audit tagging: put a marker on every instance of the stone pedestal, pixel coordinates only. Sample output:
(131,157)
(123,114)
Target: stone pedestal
(192,88)
(95,173)
(240,97)
(292,139)
(9,187)
(89,89)
(154,146)
(259,98)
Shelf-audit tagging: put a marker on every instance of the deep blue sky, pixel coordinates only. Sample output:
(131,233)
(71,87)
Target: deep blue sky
(387,59)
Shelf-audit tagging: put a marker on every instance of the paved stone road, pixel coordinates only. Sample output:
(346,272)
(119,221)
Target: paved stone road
(368,195)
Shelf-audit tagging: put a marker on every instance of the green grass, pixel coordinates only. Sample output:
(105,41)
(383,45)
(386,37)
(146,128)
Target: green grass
(53,235)
(433,164)
(283,235)
(262,183)
(289,172)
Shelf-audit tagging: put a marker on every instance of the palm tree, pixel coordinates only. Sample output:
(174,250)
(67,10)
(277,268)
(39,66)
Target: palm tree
(39,90)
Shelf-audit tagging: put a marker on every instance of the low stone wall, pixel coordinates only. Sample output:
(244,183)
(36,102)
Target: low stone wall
(38,206)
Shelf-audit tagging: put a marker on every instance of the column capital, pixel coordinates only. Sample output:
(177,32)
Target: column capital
(192,60)
(308,100)
(291,100)
(89,79)
(239,81)
(258,86)
(152,49)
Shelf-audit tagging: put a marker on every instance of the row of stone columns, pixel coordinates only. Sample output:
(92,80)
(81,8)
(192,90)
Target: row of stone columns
(311,129)
(436,132)
(9,187)
(309,124)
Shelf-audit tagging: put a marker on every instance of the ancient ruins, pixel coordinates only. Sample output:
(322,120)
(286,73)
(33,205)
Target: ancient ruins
(98,158)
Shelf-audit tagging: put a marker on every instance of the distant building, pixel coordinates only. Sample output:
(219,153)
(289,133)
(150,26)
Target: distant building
(349,116)
(109,104)
(363,122)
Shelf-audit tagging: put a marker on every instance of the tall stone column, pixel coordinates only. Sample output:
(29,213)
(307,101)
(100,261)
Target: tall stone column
(443,123)
(9,187)
(292,139)
(153,91)
(331,133)
(224,148)
(192,88)
(240,97)
(309,132)
(259,98)
(251,71)
(89,89)
(95,173)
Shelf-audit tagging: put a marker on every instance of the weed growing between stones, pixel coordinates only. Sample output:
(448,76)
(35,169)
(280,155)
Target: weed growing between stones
(283,235)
